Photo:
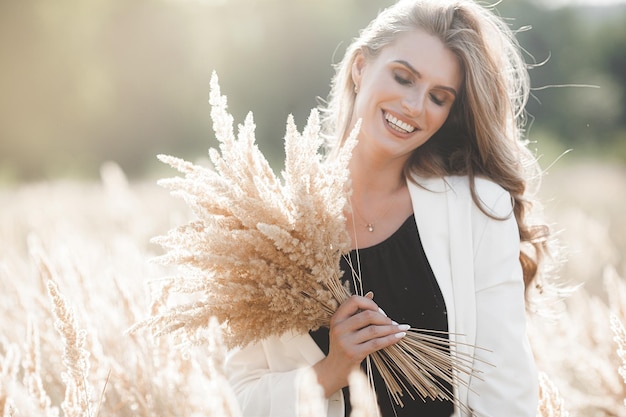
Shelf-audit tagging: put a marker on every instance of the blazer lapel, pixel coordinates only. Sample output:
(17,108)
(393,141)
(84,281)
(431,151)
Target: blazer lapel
(305,345)
(442,210)
(431,215)
(444,224)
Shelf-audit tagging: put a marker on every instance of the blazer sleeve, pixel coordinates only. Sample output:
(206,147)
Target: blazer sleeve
(271,380)
(507,384)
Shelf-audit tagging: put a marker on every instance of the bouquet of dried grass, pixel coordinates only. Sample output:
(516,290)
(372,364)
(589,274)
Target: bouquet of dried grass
(262,255)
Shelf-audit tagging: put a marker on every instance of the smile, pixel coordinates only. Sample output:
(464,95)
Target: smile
(399,125)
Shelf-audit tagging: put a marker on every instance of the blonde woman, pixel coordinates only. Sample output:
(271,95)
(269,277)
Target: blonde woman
(439,230)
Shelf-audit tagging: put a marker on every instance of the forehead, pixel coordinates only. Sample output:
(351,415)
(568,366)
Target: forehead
(427,54)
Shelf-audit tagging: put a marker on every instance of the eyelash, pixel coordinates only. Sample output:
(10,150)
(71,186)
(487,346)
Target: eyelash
(404,81)
(436,100)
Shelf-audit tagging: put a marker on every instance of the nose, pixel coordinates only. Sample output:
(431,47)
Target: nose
(413,102)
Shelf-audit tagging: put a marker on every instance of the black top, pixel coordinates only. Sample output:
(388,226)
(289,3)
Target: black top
(404,286)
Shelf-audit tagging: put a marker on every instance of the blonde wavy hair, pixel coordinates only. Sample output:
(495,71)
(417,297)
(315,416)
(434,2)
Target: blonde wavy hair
(484,133)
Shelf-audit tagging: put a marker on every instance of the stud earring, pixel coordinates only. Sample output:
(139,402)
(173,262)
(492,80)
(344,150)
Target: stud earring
(356,89)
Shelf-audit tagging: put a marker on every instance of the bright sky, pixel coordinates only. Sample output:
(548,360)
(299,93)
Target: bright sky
(558,3)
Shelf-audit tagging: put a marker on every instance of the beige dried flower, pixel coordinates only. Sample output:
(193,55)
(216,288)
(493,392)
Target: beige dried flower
(362,396)
(31,365)
(263,253)
(620,339)
(261,248)
(9,367)
(223,400)
(550,402)
(311,395)
(9,409)
(77,400)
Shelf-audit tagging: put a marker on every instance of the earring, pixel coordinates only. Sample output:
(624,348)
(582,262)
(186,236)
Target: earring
(356,89)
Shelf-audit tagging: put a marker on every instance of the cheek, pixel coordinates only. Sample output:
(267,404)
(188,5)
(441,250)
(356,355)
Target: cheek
(439,117)
(358,110)
(361,111)
(363,107)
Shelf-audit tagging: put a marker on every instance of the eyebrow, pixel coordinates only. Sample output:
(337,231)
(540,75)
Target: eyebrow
(419,74)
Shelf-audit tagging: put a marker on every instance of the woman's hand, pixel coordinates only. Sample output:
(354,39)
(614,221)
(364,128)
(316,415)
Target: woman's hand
(358,327)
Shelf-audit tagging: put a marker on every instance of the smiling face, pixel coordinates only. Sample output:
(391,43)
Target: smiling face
(405,94)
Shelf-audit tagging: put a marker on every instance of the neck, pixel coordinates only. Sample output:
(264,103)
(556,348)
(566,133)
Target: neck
(376,179)
(378,208)
(378,191)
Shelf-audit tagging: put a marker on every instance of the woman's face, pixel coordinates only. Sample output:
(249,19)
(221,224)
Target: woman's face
(404,94)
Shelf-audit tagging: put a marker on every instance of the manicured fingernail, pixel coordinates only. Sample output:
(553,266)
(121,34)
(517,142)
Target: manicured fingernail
(400,335)
(404,327)
(380,310)
(394,323)
(369,295)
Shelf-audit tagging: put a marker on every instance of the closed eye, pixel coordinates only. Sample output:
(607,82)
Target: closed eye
(401,80)
(436,100)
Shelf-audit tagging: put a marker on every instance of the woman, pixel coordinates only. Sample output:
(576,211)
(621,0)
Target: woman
(438,219)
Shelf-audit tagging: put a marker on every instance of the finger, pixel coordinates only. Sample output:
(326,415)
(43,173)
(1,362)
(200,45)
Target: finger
(373,332)
(364,326)
(353,305)
(370,295)
(366,318)
(379,343)
(356,346)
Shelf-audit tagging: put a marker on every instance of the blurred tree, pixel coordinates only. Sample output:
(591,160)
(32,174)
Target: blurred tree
(578,97)
(83,82)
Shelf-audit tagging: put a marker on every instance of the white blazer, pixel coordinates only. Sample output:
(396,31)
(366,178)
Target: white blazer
(475,260)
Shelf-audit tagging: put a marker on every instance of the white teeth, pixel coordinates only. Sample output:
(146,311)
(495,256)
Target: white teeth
(398,124)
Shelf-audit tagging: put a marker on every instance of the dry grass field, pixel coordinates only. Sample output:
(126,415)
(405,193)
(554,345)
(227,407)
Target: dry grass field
(75,274)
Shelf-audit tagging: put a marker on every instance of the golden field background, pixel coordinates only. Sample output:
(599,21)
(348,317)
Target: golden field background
(89,81)
(69,354)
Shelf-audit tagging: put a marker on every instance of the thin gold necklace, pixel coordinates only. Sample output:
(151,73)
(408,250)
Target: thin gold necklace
(370,225)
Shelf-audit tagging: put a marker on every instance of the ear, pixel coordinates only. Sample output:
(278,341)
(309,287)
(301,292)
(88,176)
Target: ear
(358,66)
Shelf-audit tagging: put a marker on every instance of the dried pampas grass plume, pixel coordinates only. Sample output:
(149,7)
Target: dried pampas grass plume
(221,397)
(9,367)
(362,396)
(551,403)
(31,365)
(311,396)
(9,409)
(619,336)
(77,402)
(263,254)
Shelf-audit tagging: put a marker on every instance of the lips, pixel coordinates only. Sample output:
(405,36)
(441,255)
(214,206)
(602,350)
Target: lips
(399,125)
